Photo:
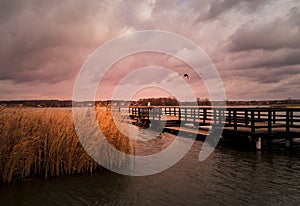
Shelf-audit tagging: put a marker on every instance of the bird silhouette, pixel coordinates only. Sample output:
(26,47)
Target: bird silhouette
(186,75)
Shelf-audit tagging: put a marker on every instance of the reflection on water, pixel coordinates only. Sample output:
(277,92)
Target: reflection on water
(227,177)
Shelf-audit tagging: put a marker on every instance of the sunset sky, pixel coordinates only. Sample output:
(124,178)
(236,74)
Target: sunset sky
(254,44)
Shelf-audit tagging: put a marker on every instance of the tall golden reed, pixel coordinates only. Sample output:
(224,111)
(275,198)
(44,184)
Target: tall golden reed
(42,142)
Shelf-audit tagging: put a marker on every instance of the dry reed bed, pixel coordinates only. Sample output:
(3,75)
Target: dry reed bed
(42,142)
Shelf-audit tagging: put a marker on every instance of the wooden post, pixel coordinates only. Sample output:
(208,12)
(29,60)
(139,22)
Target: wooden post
(246,117)
(215,116)
(229,117)
(287,129)
(179,114)
(159,113)
(274,117)
(269,121)
(204,114)
(258,143)
(252,122)
(287,120)
(194,115)
(234,120)
(220,117)
(287,142)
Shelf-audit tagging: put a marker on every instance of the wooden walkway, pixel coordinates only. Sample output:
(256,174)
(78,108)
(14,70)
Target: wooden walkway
(256,122)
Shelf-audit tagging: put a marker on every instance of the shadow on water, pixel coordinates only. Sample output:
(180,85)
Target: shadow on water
(98,189)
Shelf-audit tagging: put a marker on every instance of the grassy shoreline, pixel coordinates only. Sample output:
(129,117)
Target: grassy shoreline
(42,142)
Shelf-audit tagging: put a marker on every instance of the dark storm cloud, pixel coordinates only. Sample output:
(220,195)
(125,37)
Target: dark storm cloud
(281,32)
(274,75)
(218,7)
(8,8)
(262,58)
(282,58)
(39,39)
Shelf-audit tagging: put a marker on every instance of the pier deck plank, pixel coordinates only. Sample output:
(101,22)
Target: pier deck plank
(189,130)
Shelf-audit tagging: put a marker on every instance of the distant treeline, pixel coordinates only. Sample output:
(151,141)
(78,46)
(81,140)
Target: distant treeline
(60,103)
(205,102)
(265,102)
(38,103)
(169,101)
(162,101)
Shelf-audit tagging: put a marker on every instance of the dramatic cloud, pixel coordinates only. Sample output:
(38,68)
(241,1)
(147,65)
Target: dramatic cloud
(254,44)
(278,33)
(215,8)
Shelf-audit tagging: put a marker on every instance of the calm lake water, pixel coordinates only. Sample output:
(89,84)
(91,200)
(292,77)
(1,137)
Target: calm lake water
(230,176)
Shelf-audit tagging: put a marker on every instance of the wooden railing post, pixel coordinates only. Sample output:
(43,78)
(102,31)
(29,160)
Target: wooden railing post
(287,117)
(234,120)
(252,122)
(215,116)
(269,121)
(194,115)
(220,116)
(246,118)
(159,113)
(139,112)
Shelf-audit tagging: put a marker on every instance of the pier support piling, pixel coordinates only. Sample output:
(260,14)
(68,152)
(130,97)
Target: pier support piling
(258,143)
(288,142)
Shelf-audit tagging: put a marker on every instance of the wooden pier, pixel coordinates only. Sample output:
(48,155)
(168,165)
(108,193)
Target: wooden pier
(256,123)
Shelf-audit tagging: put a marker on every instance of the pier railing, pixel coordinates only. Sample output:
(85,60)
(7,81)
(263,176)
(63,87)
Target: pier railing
(247,119)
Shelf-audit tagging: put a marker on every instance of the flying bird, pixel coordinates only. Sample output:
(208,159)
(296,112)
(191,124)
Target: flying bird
(186,75)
